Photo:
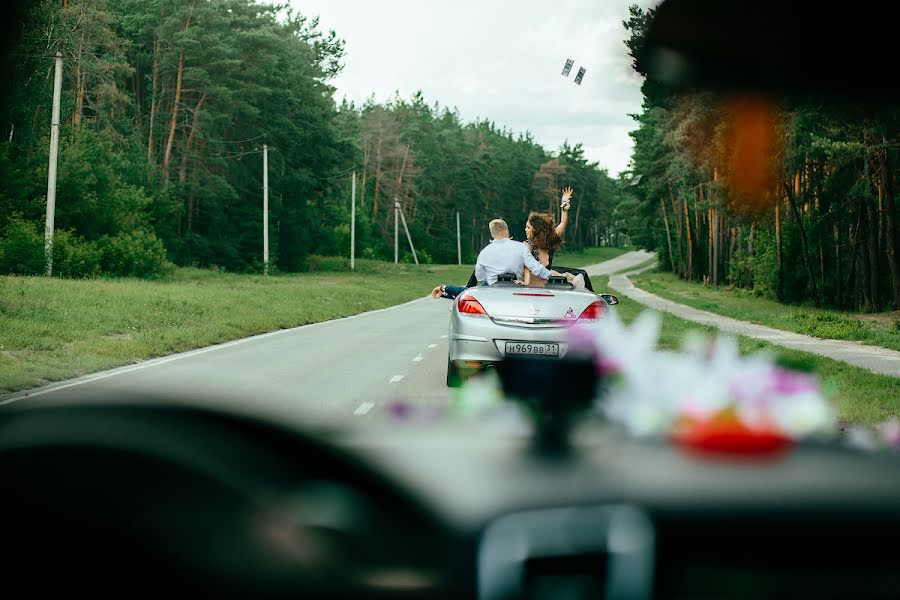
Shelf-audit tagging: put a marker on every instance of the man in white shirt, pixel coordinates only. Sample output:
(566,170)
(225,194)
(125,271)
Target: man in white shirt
(502,255)
(505,255)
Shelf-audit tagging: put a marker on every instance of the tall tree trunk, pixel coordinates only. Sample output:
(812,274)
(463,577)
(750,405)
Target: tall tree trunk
(716,235)
(362,188)
(721,249)
(780,279)
(876,181)
(706,214)
(79,83)
(375,199)
(736,234)
(874,278)
(175,104)
(400,178)
(151,138)
(187,147)
(696,215)
(677,216)
(377,171)
(407,193)
(872,237)
(853,271)
(167,155)
(690,241)
(839,290)
(813,288)
(403,167)
(710,255)
(863,269)
(750,258)
(662,207)
(890,208)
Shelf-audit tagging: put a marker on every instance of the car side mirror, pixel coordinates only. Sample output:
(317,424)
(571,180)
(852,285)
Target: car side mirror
(610,299)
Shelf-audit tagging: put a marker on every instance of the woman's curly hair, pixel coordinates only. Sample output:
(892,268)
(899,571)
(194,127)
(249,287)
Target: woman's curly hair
(544,235)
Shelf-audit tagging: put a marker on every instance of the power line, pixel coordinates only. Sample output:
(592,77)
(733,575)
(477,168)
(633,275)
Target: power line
(338,175)
(262,135)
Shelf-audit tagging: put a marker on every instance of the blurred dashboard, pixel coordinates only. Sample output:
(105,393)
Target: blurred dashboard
(120,498)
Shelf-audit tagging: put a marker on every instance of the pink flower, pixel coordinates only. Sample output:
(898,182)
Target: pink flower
(607,366)
(793,382)
(891,432)
(582,341)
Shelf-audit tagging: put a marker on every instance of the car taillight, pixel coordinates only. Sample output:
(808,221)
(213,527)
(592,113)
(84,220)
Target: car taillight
(470,306)
(593,312)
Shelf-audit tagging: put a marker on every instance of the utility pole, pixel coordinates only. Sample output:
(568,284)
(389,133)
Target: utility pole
(265,209)
(51,171)
(353,223)
(458,244)
(396,231)
(406,229)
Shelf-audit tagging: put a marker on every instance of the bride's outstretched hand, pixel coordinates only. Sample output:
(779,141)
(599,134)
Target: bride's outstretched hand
(566,198)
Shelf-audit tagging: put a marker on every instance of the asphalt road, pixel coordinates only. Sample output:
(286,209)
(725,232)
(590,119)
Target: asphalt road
(346,369)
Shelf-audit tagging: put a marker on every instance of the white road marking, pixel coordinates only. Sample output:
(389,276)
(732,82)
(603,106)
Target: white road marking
(432,345)
(418,358)
(395,378)
(443,337)
(364,408)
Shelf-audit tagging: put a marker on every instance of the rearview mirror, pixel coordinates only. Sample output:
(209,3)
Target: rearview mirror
(555,392)
(610,299)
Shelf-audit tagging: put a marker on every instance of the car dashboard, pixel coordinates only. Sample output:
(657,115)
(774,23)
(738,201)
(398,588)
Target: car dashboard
(134,498)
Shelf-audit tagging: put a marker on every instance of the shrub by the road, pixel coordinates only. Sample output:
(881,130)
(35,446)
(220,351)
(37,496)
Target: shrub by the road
(133,254)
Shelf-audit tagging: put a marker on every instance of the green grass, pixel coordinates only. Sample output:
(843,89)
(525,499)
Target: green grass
(587,256)
(55,329)
(877,330)
(860,396)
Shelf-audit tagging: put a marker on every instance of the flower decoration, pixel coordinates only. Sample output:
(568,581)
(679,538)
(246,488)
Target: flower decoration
(708,396)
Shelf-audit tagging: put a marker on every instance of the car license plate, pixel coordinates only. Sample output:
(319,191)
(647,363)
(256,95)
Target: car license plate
(536,349)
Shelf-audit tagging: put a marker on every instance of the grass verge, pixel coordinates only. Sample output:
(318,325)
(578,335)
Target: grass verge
(587,256)
(860,396)
(877,330)
(55,329)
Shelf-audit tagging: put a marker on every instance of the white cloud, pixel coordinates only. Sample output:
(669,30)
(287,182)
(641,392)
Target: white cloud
(497,59)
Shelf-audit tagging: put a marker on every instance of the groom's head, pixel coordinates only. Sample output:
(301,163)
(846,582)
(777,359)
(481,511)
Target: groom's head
(499,229)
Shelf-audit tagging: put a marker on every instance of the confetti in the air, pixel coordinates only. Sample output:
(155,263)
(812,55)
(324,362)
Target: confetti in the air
(580,75)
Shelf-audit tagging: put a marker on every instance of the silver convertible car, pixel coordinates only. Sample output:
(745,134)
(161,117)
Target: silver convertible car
(489,323)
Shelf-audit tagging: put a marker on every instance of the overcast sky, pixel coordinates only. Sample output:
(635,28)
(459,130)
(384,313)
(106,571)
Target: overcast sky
(497,59)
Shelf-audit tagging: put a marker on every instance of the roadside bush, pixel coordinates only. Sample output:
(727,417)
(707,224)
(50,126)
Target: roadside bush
(135,254)
(75,257)
(22,249)
(22,252)
(422,255)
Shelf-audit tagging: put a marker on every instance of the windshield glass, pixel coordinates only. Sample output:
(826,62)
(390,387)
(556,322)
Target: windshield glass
(347,212)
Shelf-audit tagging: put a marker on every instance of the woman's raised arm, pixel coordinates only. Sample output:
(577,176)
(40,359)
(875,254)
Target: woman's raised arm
(564,205)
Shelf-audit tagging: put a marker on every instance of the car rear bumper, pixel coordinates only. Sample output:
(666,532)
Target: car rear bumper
(481,340)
